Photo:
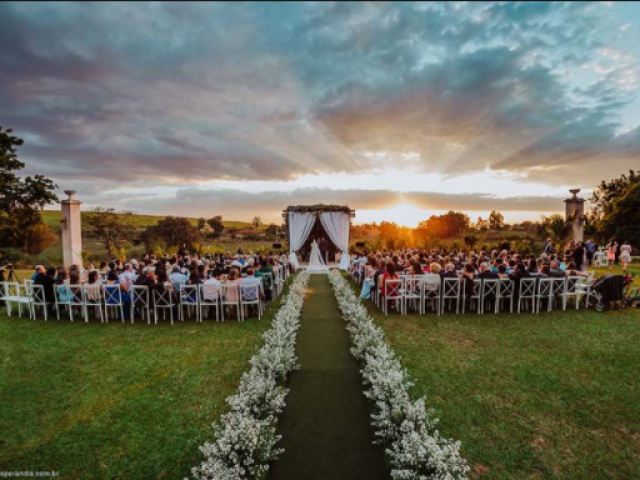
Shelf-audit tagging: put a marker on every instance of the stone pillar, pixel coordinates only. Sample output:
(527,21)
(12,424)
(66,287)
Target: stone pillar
(574,212)
(71,228)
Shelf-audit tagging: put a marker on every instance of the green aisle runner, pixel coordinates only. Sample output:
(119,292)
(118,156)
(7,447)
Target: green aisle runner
(326,425)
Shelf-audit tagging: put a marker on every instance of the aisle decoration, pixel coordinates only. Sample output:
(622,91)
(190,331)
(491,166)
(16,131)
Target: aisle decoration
(415,448)
(245,437)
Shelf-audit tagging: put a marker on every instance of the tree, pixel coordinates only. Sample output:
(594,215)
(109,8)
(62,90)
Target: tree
(256,222)
(20,199)
(216,224)
(622,219)
(607,192)
(108,226)
(558,228)
(272,229)
(451,224)
(201,223)
(38,238)
(496,220)
(173,231)
(609,200)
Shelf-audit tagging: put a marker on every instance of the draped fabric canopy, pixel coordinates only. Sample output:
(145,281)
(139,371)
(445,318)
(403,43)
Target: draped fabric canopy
(337,224)
(300,224)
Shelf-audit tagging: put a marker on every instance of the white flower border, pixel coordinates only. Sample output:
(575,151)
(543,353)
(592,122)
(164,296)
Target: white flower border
(245,438)
(414,446)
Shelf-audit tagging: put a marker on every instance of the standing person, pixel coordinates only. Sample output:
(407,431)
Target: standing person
(591,251)
(322,244)
(625,254)
(578,256)
(612,248)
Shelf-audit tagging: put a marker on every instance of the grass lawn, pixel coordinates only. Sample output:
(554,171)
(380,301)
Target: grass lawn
(116,401)
(530,396)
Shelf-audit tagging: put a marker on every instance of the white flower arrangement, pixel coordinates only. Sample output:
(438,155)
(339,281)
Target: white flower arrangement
(245,437)
(408,429)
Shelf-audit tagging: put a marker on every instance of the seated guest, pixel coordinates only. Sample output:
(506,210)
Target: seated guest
(433,276)
(486,273)
(251,280)
(47,281)
(177,278)
(555,271)
(449,271)
(389,274)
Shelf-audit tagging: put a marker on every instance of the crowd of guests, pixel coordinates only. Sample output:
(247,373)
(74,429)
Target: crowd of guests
(164,274)
(373,269)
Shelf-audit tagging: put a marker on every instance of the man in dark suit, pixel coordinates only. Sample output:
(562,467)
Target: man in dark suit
(449,271)
(322,245)
(486,273)
(47,280)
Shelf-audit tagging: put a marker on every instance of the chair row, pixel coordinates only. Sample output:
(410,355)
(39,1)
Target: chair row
(138,300)
(483,295)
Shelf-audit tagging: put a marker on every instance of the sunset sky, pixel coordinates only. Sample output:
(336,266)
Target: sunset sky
(399,110)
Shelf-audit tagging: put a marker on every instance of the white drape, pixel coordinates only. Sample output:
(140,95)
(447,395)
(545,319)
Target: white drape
(337,224)
(300,225)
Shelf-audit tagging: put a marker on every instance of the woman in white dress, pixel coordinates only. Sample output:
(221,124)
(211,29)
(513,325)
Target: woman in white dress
(316,262)
(625,254)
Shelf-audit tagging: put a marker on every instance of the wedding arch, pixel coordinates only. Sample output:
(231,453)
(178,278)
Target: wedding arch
(334,220)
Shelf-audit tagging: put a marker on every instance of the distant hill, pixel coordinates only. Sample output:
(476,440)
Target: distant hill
(52,218)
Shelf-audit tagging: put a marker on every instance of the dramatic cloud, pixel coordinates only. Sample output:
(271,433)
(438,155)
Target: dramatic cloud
(115,96)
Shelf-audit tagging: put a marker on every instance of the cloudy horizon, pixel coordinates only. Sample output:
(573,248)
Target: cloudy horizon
(399,110)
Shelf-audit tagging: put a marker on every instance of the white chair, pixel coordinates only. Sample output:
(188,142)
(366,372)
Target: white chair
(113,299)
(69,296)
(16,293)
(527,293)
(577,287)
(230,297)
(163,301)
(209,297)
(450,292)
(140,301)
(431,294)
(558,286)
(505,294)
(189,299)
(473,296)
(544,292)
(37,300)
(250,295)
(413,292)
(93,297)
(392,292)
(490,292)
(571,290)
(280,279)
(270,284)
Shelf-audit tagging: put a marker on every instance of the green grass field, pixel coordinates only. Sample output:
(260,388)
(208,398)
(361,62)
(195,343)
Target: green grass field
(95,401)
(549,396)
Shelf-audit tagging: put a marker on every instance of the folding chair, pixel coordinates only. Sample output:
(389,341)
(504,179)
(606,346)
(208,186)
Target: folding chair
(473,295)
(571,290)
(93,297)
(490,291)
(37,300)
(392,292)
(16,293)
(413,292)
(140,301)
(209,297)
(250,295)
(163,301)
(189,299)
(544,292)
(431,293)
(450,291)
(113,299)
(505,293)
(558,287)
(527,292)
(230,297)
(270,284)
